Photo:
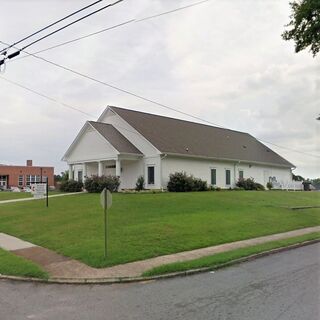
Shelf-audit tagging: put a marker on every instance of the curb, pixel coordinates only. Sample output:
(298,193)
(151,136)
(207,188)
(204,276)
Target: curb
(158,277)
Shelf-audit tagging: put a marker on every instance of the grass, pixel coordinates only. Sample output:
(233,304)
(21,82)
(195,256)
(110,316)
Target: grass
(8,195)
(148,225)
(222,258)
(13,265)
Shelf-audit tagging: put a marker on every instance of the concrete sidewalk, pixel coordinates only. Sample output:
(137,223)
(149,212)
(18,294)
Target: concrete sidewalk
(63,267)
(31,198)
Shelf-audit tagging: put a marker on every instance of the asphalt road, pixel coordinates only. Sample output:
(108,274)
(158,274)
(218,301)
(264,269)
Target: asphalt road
(278,287)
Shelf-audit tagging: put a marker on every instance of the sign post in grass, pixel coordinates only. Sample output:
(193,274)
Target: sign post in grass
(106,203)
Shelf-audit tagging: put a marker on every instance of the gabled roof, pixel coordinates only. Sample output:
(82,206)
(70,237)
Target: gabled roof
(174,136)
(115,138)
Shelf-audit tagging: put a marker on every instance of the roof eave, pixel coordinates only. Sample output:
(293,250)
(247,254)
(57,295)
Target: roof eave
(290,165)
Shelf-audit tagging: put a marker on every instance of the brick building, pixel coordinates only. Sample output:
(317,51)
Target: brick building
(23,176)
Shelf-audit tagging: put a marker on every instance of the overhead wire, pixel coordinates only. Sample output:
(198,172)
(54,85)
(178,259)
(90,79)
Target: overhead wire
(115,26)
(50,25)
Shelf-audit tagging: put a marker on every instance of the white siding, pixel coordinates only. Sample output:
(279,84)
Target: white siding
(130,133)
(202,169)
(91,146)
(130,171)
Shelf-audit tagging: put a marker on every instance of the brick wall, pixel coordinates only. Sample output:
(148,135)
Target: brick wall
(13,173)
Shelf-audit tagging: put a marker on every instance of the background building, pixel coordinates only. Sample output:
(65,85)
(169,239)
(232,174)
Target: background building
(23,176)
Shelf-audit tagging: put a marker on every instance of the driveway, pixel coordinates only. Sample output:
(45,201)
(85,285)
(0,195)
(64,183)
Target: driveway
(282,286)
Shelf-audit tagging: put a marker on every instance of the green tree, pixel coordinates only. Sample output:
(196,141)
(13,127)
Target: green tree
(305,25)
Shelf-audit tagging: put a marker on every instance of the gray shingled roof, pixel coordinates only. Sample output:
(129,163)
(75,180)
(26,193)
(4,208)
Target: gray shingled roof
(174,136)
(118,141)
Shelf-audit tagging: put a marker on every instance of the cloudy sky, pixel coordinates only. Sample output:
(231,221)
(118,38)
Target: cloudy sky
(223,60)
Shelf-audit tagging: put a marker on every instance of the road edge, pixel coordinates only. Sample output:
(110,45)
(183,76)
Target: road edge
(73,281)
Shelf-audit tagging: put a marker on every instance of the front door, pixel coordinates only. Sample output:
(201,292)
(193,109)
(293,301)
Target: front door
(3,182)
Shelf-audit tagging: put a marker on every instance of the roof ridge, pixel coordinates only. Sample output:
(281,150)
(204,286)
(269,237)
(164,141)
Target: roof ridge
(197,123)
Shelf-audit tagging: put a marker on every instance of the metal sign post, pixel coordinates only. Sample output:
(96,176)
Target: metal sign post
(106,203)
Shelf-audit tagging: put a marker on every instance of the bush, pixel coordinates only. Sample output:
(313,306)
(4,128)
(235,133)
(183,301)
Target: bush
(140,183)
(71,186)
(269,185)
(181,182)
(96,184)
(249,184)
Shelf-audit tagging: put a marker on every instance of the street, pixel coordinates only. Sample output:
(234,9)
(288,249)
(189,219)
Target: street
(278,287)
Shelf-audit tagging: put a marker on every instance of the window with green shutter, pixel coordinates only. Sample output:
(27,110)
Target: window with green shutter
(228,177)
(213,177)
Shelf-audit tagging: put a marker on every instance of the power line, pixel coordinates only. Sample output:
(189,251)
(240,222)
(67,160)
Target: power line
(46,96)
(50,25)
(116,26)
(62,28)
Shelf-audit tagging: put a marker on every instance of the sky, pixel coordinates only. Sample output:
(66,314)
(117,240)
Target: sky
(223,61)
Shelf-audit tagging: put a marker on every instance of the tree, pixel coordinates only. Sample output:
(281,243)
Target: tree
(305,23)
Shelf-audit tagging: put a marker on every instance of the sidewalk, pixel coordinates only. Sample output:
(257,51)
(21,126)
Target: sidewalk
(63,267)
(32,198)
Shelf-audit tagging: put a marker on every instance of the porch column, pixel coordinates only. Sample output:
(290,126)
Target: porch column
(100,168)
(118,168)
(84,171)
(70,172)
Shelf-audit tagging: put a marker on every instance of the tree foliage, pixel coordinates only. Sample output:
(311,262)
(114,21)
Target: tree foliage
(304,25)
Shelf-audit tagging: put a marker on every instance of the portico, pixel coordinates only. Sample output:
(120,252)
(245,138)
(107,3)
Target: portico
(122,166)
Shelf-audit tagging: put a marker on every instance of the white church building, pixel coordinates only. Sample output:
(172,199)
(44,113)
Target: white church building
(128,144)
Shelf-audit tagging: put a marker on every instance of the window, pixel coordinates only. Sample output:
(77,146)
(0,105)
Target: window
(228,177)
(213,177)
(20,181)
(241,174)
(80,176)
(150,175)
(31,179)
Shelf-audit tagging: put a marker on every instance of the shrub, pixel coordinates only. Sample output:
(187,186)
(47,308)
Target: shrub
(249,184)
(269,185)
(71,186)
(140,183)
(181,182)
(96,184)
(199,185)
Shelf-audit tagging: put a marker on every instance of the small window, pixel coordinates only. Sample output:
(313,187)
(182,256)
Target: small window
(228,177)
(150,175)
(80,176)
(240,174)
(213,177)
(20,182)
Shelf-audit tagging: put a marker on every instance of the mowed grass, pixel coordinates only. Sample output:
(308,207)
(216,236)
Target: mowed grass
(219,259)
(5,195)
(147,225)
(13,265)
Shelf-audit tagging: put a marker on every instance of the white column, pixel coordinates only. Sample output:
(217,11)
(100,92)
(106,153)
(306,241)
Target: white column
(118,168)
(70,172)
(84,171)
(100,168)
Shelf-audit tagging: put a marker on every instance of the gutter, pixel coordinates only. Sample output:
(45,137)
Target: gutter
(289,166)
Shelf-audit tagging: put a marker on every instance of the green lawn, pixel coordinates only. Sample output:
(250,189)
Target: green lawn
(148,225)
(13,265)
(225,257)
(5,195)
